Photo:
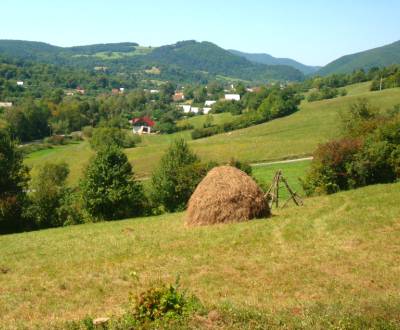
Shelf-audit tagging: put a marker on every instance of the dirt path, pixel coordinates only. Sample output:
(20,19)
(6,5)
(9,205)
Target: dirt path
(282,161)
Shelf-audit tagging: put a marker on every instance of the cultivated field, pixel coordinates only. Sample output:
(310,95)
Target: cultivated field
(332,263)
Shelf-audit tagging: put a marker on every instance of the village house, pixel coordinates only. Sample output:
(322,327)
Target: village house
(209,103)
(186,108)
(20,83)
(206,110)
(232,97)
(142,125)
(6,104)
(80,90)
(178,96)
(154,91)
(194,110)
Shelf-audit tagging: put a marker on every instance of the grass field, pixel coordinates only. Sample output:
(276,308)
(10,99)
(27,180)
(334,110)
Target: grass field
(333,262)
(290,137)
(291,171)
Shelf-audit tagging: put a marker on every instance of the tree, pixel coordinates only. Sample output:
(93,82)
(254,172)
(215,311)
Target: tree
(48,192)
(13,184)
(177,176)
(109,190)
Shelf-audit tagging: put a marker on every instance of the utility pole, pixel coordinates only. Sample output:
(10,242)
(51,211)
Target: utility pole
(380,85)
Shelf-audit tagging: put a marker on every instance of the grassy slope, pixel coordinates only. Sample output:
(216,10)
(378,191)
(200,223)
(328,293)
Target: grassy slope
(293,136)
(338,254)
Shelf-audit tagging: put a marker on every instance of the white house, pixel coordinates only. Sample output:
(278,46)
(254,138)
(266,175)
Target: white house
(209,103)
(232,97)
(186,108)
(20,83)
(206,110)
(154,91)
(194,110)
(6,104)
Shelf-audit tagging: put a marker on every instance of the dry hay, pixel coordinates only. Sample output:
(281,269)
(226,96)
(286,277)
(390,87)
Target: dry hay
(226,195)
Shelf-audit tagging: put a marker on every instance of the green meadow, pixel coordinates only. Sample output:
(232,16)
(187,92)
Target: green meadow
(333,263)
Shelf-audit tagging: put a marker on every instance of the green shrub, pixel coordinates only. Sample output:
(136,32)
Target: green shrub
(177,176)
(107,136)
(13,184)
(329,169)
(87,131)
(109,191)
(160,301)
(48,191)
(368,155)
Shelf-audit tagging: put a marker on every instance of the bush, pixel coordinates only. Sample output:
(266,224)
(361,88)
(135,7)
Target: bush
(13,184)
(87,131)
(177,176)
(48,192)
(160,301)
(368,155)
(55,140)
(109,191)
(107,136)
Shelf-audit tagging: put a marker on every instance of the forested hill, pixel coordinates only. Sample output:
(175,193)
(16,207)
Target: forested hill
(206,56)
(377,57)
(270,60)
(184,61)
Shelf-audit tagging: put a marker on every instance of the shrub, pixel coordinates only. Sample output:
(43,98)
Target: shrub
(107,136)
(49,190)
(329,169)
(177,176)
(160,301)
(13,184)
(109,190)
(368,155)
(55,140)
(87,131)
(245,167)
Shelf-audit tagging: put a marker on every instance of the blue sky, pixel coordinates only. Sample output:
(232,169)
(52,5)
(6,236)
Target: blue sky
(313,32)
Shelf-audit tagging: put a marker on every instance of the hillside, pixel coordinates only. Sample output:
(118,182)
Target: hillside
(183,61)
(270,60)
(325,265)
(289,137)
(377,57)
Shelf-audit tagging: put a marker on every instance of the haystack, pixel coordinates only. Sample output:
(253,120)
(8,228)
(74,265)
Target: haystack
(226,195)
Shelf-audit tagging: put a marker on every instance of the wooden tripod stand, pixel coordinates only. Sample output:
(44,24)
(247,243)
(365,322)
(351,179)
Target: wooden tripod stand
(272,194)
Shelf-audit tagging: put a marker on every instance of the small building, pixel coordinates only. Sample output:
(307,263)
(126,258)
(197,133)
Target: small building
(6,104)
(20,83)
(206,110)
(209,103)
(194,110)
(178,96)
(80,90)
(122,90)
(142,125)
(186,108)
(154,91)
(115,91)
(232,97)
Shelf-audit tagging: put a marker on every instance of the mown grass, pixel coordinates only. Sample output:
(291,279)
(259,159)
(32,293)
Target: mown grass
(333,262)
(290,137)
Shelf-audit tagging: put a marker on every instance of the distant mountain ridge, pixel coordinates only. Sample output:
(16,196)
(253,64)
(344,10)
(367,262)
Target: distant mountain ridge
(186,60)
(376,57)
(270,60)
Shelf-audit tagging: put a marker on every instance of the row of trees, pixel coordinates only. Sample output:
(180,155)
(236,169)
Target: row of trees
(108,189)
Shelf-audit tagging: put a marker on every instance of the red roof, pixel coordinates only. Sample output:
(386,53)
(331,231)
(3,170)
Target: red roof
(146,120)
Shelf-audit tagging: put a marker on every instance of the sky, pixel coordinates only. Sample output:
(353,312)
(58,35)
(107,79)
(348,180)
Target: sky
(310,31)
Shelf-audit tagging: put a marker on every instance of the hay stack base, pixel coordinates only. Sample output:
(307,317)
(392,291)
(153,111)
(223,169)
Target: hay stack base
(226,195)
